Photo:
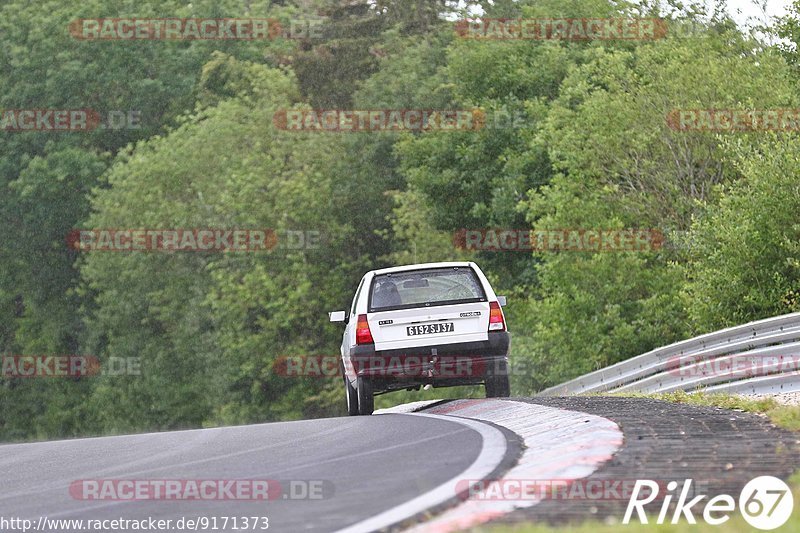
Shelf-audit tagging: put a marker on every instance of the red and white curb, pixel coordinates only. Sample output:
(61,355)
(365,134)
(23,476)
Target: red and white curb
(560,445)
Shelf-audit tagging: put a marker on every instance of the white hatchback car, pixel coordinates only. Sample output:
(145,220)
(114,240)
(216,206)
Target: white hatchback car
(437,324)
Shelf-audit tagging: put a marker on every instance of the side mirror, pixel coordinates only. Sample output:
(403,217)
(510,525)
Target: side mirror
(337,316)
(501,300)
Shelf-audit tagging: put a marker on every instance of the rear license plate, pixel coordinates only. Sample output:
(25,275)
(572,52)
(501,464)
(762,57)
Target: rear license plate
(426,329)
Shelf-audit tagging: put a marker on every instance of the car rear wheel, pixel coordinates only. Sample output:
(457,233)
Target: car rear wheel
(366,401)
(350,394)
(497,385)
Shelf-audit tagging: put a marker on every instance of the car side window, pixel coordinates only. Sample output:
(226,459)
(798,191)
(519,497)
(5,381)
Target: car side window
(355,298)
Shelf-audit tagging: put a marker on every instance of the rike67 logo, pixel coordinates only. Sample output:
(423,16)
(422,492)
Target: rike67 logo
(765,503)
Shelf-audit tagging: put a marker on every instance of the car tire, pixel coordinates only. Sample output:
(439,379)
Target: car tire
(488,384)
(503,387)
(497,385)
(350,394)
(366,401)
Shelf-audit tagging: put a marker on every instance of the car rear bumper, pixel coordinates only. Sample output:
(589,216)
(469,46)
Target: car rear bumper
(443,365)
(497,344)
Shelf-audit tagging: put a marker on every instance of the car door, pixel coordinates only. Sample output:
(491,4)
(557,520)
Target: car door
(348,337)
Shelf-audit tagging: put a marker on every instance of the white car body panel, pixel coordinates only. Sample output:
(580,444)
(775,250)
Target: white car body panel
(466,329)
(394,336)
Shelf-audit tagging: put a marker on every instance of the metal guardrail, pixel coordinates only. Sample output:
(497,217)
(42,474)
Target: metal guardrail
(722,361)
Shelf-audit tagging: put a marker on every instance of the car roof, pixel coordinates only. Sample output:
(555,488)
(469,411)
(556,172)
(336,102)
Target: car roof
(419,266)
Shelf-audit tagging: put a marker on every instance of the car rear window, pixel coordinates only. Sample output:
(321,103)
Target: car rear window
(425,288)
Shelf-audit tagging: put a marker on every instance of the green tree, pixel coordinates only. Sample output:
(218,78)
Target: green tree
(619,165)
(209,327)
(745,251)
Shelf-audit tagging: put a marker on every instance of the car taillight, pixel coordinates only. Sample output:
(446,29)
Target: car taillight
(496,320)
(363,334)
